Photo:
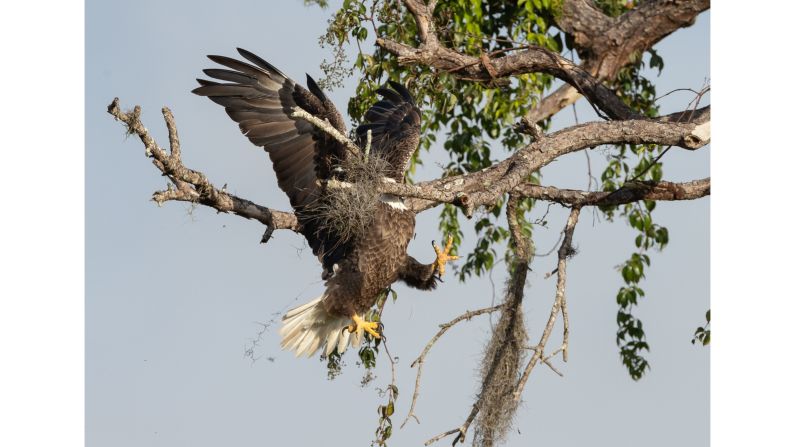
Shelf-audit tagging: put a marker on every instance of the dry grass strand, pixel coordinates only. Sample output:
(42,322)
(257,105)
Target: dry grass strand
(348,211)
(500,368)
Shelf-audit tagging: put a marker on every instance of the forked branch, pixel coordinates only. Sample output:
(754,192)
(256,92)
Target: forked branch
(188,185)
(420,361)
(564,252)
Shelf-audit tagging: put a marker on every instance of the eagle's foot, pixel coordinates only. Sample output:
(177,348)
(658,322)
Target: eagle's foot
(360,325)
(442,256)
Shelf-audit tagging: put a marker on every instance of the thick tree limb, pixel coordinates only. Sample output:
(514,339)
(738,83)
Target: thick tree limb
(468,191)
(631,192)
(533,59)
(190,185)
(485,187)
(606,44)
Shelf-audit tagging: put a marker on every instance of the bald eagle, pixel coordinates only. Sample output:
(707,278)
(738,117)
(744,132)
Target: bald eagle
(261,99)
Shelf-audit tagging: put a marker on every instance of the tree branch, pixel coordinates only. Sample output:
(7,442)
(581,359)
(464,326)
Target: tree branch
(630,192)
(564,252)
(485,187)
(193,186)
(504,352)
(420,361)
(606,44)
(469,191)
(532,60)
(325,126)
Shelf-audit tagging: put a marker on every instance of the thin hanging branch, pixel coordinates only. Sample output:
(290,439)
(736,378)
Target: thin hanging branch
(564,252)
(494,409)
(420,361)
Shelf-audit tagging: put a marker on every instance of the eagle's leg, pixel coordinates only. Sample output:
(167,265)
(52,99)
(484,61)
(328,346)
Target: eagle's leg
(359,325)
(442,256)
(424,276)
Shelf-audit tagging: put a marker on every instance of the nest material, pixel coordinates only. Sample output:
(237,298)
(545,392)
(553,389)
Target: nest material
(347,211)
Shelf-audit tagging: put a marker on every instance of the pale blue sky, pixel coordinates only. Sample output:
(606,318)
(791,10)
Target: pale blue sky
(173,297)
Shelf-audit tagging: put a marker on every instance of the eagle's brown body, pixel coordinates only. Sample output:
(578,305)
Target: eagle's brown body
(355,285)
(261,99)
(352,291)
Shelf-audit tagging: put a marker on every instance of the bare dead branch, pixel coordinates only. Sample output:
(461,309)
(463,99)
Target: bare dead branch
(546,360)
(420,361)
(560,299)
(325,126)
(458,430)
(193,186)
(173,137)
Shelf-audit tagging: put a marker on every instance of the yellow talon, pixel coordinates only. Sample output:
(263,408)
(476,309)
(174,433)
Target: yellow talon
(360,325)
(442,256)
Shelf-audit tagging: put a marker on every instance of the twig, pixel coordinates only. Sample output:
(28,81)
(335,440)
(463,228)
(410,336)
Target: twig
(546,360)
(560,299)
(420,361)
(325,126)
(674,91)
(369,143)
(462,430)
(554,247)
(447,433)
(564,310)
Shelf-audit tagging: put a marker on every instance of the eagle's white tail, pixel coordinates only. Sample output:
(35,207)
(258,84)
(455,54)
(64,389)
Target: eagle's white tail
(309,327)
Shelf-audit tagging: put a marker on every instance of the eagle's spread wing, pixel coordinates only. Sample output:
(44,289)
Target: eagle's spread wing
(395,125)
(260,98)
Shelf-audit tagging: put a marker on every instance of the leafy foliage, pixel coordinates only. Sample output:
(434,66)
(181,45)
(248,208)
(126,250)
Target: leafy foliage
(474,119)
(630,336)
(702,334)
(627,165)
(385,412)
(321,3)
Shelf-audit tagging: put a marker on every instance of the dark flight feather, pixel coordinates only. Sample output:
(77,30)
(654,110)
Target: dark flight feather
(261,99)
(395,125)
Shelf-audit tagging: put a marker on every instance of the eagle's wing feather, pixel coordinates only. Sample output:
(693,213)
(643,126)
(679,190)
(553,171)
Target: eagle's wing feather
(260,98)
(395,125)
